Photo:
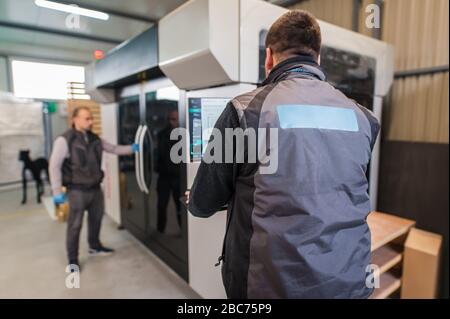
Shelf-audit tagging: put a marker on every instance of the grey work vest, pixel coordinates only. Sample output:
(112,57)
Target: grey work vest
(301,232)
(82,169)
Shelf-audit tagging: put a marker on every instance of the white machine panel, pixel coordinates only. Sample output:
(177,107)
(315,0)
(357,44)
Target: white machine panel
(199,43)
(111,190)
(255,17)
(375,160)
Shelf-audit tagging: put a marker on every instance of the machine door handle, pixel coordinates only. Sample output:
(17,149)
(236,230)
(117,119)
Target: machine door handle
(137,159)
(141,155)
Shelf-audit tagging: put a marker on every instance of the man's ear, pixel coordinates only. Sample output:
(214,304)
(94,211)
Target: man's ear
(318,60)
(269,61)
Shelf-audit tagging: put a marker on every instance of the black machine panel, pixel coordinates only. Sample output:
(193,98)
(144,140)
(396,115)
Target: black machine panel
(351,73)
(167,224)
(130,62)
(132,199)
(156,218)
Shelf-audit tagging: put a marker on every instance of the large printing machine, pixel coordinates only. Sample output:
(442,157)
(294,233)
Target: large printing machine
(211,51)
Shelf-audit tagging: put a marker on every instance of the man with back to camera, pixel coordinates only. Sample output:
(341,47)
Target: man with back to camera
(301,231)
(76,163)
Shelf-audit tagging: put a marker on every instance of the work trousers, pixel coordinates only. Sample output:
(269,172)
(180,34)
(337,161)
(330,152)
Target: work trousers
(80,201)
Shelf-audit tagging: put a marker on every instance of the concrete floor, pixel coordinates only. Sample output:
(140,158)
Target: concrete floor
(33,259)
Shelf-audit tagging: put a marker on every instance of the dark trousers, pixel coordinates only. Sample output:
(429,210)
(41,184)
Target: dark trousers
(165,186)
(79,201)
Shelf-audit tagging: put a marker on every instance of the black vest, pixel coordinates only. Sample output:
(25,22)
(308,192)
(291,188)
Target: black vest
(82,170)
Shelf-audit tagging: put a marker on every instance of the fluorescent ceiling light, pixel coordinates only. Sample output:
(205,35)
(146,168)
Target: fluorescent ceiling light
(72,9)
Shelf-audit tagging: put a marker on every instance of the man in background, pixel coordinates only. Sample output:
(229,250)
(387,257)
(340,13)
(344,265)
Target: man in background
(75,163)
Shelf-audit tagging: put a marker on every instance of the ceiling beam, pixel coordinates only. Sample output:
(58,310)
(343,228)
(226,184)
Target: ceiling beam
(34,28)
(107,10)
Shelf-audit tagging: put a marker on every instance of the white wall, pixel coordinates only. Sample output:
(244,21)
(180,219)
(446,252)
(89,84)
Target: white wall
(21,127)
(111,183)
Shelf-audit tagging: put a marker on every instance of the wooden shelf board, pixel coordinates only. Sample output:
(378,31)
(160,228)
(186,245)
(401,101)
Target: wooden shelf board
(385,228)
(386,257)
(389,283)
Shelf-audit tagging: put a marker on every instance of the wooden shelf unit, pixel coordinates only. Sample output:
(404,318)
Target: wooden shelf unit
(388,237)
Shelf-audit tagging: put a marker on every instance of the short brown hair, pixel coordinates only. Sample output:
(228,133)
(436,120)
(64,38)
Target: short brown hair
(296,32)
(77,110)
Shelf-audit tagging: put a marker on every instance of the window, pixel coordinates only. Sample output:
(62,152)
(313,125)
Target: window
(44,80)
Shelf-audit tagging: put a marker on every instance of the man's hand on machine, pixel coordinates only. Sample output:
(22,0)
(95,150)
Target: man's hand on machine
(59,199)
(186,194)
(135,148)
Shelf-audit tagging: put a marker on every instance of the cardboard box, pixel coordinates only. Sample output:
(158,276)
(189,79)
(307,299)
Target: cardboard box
(421,265)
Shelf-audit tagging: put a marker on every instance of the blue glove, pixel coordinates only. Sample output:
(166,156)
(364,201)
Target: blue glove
(135,148)
(59,199)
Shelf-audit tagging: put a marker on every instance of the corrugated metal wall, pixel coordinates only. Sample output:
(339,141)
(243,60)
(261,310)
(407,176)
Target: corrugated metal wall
(419,107)
(338,12)
(419,30)
(418,111)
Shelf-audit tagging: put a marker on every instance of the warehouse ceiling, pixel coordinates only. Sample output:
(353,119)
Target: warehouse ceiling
(29,30)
